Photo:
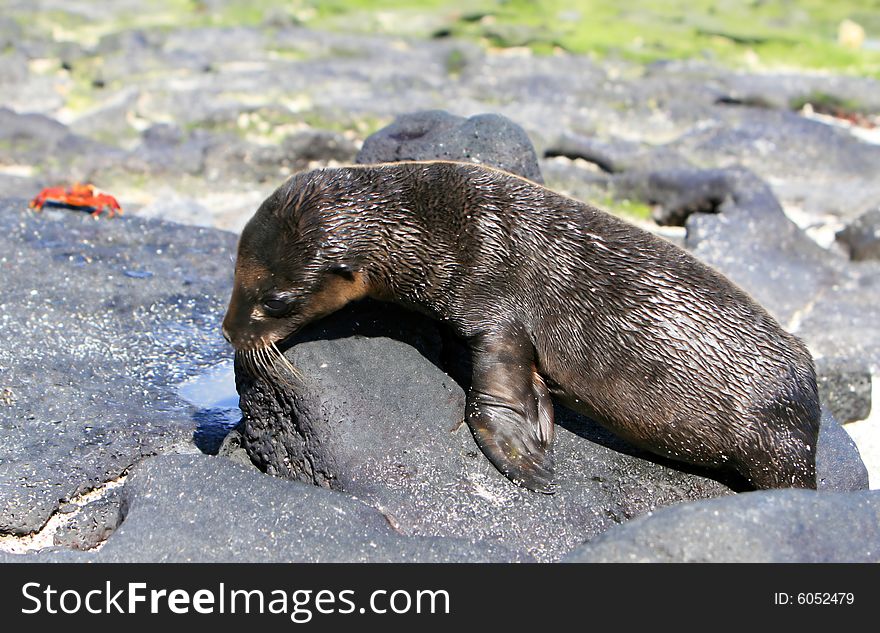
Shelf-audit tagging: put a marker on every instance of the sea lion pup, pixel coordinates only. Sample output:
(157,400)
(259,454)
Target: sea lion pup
(553,297)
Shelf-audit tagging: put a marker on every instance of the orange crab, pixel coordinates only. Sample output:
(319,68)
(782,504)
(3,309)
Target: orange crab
(78,196)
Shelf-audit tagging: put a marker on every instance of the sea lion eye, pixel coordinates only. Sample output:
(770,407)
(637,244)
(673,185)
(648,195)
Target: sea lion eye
(343,270)
(275,307)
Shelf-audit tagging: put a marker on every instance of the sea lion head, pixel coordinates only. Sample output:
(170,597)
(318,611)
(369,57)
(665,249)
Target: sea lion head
(293,266)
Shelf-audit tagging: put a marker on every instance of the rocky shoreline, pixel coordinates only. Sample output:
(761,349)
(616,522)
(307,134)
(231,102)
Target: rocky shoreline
(101,321)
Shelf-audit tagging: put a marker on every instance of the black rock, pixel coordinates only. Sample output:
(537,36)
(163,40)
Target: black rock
(228,158)
(735,224)
(785,90)
(828,171)
(862,236)
(373,417)
(616,155)
(844,388)
(317,145)
(679,193)
(840,326)
(90,356)
(161,134)
(35,139)
(768,526)
(490,139)
(166,151)
(195,508)
(839,466)
(23,135)
(92,525)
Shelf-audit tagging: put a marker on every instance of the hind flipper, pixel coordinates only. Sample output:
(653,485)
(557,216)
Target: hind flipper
(509,410)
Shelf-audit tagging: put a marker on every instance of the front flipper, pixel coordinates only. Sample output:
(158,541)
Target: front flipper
(509,409)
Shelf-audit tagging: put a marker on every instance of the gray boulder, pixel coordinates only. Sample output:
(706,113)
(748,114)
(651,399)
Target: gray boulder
(375,418)
(35,139)
(615,155)
(861,237)
(92,524)
(735,223)
(195,508)
(845,388)
(838,463)
(769,526)
(490,139)
(302,147)
(99,321)
(827,171)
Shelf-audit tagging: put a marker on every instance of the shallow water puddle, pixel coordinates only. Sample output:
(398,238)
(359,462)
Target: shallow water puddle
(213,392)
(214,388)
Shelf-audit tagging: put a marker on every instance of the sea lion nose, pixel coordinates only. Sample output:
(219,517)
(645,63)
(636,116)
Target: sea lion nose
(226,327)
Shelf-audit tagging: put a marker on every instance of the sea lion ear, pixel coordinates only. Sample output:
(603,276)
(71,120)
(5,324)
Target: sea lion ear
(343,270)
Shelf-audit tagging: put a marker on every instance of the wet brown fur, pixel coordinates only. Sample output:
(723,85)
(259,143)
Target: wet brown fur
(553,296)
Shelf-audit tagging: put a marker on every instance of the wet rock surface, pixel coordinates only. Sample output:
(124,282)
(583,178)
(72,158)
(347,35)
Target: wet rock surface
(845,387)
(99,321)
(778,526)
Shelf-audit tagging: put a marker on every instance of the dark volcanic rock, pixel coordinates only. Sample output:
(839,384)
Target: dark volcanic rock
(759,138)
(765,253)
(99,320)
(375,418)
(92,525)
(489,139)
(769,526)
(195,508)
(616,155)
(231,159)
(321,145)
(839,466)
(862,237)
(840,323)
(826,171)
(164,149)
(35,139)
(26,138)
(679,193)
(844,388)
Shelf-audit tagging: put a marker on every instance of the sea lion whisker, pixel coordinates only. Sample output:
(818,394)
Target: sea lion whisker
(266,364)
(278,356)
